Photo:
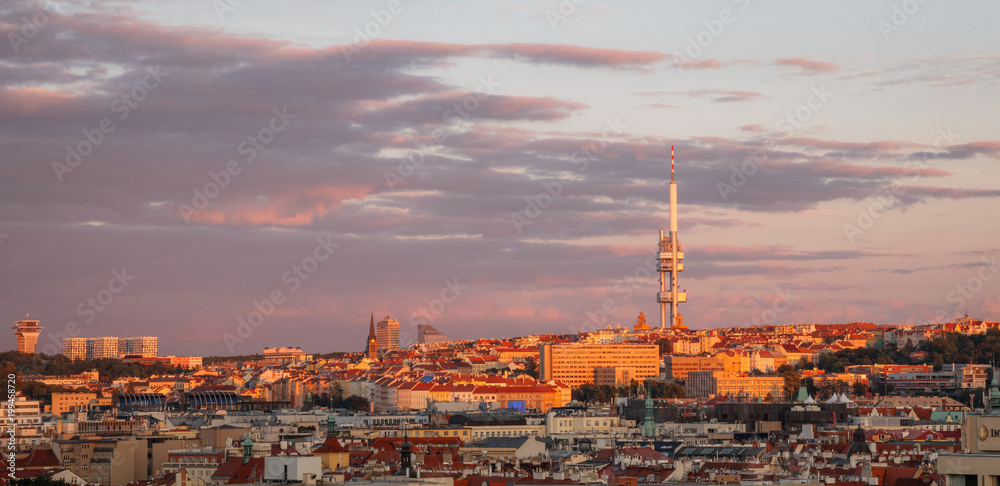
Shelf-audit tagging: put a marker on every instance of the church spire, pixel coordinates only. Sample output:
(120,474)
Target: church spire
(372,350)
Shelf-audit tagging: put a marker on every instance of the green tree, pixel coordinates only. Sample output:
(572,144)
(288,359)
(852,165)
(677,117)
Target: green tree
(531,367)
(665,346)
(356,404)
(40,480)
(674,390)
(336,393)
(793,379)
(583,393)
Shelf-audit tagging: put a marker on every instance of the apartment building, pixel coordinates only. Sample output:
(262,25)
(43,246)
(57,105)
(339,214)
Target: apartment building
(74,348)
(104,461)
(110,347)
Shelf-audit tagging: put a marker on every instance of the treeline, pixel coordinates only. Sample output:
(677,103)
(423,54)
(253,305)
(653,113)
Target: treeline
(955,347)
(335,399)
(211,360)
(591,393)
(836,362)
(40,480)
(946,348)
(22,364)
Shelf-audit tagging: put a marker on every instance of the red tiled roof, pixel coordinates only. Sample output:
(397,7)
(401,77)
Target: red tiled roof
(331,445)
(37,458)
(240,473)
(645,453)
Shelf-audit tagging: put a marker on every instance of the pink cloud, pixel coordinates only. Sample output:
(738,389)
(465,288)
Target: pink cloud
(806,66)
(32,101)
(577,55)
(702,64)
(532,52)
(301,208)
(725,95)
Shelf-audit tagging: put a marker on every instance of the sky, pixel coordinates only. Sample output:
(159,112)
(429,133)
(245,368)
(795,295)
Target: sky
(232,175)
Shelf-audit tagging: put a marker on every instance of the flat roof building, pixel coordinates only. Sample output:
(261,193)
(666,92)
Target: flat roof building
(577,364)
(387,334)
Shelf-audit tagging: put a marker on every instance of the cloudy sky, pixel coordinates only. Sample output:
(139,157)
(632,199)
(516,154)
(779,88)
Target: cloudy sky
(492,168)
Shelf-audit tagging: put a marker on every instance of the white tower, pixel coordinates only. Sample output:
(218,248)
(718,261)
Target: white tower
(671,260)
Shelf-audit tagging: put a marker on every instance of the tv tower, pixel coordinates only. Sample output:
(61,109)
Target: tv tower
(671,260)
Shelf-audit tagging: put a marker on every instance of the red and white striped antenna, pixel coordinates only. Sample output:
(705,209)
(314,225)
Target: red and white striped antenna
(671,163)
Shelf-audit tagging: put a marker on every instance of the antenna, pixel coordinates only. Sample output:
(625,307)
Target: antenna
(671,163)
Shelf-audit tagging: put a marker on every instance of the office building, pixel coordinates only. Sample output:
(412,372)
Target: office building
(577,364)
(387,334)
(68,402)
(701,384)
(428,335)
(678,367)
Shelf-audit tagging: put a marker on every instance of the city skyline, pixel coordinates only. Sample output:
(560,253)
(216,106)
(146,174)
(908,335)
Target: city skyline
(816,184)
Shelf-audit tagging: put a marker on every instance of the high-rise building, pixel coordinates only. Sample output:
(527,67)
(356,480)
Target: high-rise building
(27,335)
(105,347)
(387,333)
(75,348)
(426,334)
(578,363)
(145,346)
(372,350)
(671,260)
(110,347)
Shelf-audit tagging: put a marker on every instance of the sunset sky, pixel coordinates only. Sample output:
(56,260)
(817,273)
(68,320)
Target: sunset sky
(840,154)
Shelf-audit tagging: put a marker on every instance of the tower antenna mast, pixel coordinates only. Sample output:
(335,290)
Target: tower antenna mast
(670,259)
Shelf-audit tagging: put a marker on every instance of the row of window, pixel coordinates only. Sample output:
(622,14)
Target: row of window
(505,433)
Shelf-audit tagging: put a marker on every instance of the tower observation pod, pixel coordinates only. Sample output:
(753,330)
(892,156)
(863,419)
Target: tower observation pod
(671,260)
